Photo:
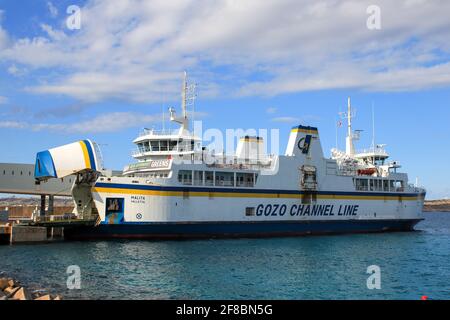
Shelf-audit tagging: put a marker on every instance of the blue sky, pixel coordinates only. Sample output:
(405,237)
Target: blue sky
(257,65)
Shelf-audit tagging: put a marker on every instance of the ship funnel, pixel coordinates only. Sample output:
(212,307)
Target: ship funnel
(304,141)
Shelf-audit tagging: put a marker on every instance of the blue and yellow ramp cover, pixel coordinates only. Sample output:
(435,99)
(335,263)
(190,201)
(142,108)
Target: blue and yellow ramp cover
(66,160)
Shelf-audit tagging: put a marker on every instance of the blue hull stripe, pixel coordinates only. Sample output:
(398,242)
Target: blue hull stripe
(255,191)
(236,229)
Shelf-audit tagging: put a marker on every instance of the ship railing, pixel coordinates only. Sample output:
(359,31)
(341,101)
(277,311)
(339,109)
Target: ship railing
(56,218)
(377,151)
(216,161)
(415,188)
(224,161)
(146,132)
(175,150)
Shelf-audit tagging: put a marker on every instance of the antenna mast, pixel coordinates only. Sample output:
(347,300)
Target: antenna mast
(187,99)
(183,96)
(373,130)
(350,148)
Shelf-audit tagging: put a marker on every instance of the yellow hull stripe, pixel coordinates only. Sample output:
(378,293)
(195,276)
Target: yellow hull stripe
(305,131)
(252,140)
(246,195)
(87,160)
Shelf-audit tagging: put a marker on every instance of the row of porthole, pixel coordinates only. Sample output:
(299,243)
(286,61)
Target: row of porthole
(12,173)
(29,173)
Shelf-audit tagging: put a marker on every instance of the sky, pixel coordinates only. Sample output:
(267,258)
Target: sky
(257,64)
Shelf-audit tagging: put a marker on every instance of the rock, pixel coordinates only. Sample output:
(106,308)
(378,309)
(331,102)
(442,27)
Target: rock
(3,284)
(11,283)
(46,297)
(22,294)
(10,290)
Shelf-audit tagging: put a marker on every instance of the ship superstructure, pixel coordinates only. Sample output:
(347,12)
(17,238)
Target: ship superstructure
(177,189)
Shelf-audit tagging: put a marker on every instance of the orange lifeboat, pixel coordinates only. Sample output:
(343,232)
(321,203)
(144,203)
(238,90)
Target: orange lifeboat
(367,172)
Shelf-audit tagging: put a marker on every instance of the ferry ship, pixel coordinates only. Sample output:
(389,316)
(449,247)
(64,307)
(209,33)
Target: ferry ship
(176,189)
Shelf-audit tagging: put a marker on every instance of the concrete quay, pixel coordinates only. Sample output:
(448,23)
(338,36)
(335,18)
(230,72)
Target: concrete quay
(23,234)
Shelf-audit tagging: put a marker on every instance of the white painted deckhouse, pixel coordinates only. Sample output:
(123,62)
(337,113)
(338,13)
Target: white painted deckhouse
(176,189)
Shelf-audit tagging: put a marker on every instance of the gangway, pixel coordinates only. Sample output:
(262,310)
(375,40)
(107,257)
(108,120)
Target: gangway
(82,160)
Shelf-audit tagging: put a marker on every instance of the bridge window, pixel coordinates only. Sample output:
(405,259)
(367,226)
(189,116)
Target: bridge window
(164,145)
(225,179)
(245,180)
(392,185)
(209,178)
(185,177)
(154,146)
(198,178)
(378,185)
(173,145)
(386,185)
(362,184)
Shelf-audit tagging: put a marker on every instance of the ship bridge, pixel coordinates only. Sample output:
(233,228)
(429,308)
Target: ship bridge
(366,162)
(377,155)
(153,144)
(156,149)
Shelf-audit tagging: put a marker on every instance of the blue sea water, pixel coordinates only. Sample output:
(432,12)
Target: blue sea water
(412,264)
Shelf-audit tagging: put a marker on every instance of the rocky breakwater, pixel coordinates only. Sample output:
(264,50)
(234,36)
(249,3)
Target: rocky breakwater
(11,289)
(437,206)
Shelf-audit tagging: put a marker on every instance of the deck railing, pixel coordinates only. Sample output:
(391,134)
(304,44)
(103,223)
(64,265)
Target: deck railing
(166,132)
(378,151)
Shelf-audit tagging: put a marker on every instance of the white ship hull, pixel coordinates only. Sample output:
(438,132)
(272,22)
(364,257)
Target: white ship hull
(177,212)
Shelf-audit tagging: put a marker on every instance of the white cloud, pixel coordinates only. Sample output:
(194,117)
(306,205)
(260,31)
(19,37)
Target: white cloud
(52,9)
(3,100)
(3,35)
(16,71)
(271,110)
(287,120)
(12,125)
(128,85)
(110,122)
(136,50)
(297,120)
(56,35)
